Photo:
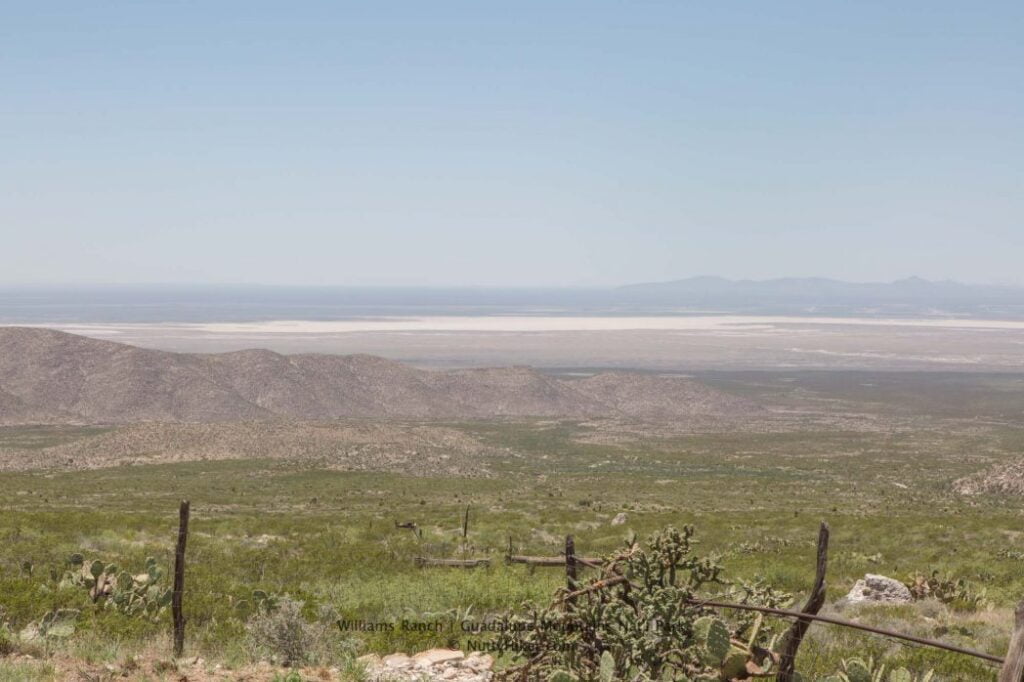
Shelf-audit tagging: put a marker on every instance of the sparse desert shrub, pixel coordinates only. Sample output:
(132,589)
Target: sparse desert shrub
(290,677)
(8,641)
(283,635)
(56,624)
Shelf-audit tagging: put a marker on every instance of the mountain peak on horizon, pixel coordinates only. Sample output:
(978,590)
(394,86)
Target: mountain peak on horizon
(910,295)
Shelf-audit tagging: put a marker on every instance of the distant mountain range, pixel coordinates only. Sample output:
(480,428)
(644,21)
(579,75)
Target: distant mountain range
(51,376)
(911,288)
(912,295)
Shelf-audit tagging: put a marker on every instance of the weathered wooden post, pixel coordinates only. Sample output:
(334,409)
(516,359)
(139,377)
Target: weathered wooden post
(570,563)
(179,580)
(465,525)
(795,635)
(1013,664)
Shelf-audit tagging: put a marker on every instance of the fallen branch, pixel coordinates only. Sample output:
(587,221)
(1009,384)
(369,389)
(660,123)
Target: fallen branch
(451,563)
(551,561)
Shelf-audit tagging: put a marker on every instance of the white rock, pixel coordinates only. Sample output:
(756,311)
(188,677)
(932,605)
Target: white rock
(397,661)
(435,656)
(620,519)
(879,589)
(479,661)
(434,665)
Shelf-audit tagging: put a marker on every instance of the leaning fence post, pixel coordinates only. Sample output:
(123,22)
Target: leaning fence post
(795,634)
(1013,664)
(570,563)
(179,580)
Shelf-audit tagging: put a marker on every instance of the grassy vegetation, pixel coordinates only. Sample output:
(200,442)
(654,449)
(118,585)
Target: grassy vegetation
(328,538)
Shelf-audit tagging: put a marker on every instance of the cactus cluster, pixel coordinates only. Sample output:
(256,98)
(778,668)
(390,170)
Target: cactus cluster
(131,594)
(648,628)
(956,592)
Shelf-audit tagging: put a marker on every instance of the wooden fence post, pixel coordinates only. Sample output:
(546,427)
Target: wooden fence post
(1013,665)
(570,563)
(465,525)
(795,635)
(179,580)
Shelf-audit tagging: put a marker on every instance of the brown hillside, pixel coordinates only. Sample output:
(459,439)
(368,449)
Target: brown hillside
(50,375)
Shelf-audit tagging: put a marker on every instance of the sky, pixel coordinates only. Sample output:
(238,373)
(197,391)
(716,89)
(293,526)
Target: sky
(510,143)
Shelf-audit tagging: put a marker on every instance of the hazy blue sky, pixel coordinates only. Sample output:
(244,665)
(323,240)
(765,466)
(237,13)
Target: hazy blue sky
(510,142)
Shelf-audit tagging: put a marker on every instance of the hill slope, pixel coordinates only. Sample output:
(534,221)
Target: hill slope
(50,375)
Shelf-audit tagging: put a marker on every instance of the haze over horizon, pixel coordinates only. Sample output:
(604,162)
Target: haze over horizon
(709,279)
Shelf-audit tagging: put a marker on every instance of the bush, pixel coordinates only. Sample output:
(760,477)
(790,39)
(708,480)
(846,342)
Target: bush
(282,635)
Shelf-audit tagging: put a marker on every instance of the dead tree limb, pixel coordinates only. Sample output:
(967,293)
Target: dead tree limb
(422,561)
(795,635)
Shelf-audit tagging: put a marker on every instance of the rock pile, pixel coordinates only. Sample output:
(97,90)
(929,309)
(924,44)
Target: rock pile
(1004,479)
(878,588)
(435,664)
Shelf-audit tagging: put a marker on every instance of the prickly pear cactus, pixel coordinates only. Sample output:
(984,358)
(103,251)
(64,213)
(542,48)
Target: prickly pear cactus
(606,672)
(712,636)
(111,587)
(858,671)
(901,675)
(735,664)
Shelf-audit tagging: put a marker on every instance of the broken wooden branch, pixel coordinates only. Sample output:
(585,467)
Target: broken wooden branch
(552,561)
(451,563)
